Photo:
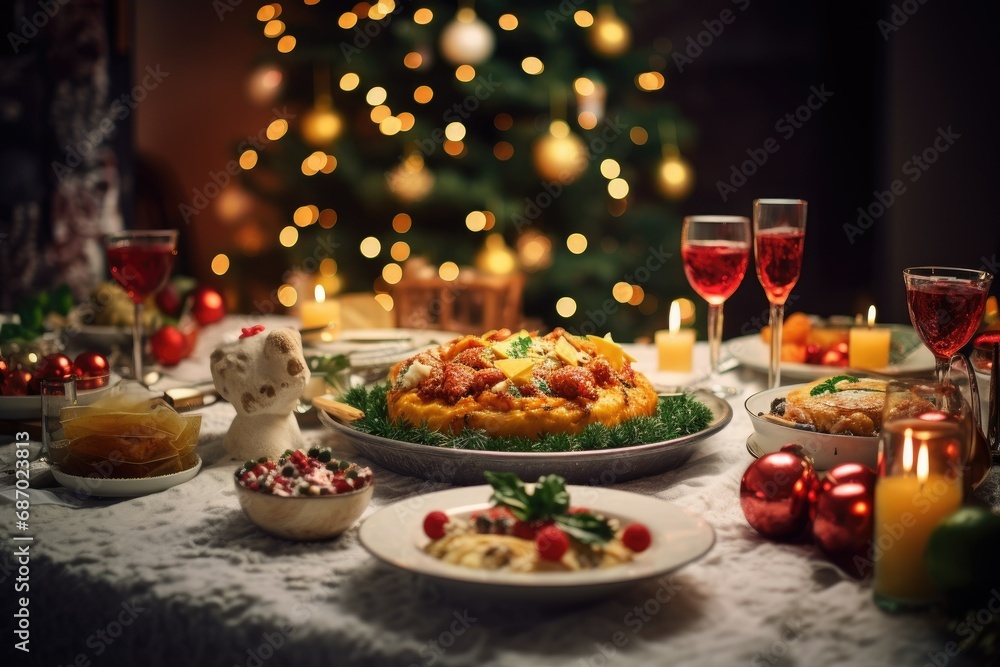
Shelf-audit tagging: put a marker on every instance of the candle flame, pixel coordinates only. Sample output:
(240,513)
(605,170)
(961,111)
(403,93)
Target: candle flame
(923,465)
(871,315)
(320,294)
(674,318)
(908,450)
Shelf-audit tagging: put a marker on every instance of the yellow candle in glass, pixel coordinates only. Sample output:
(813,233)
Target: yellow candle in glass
(908,506)
(322,312)
(675,346)
(868,347)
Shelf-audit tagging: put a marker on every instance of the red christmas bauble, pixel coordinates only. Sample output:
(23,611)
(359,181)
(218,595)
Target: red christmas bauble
(844,523)
(54,367)
(207,305)
(16,382)
(91,369)
(775,493)
(4,368)
(845,473)
(168,345)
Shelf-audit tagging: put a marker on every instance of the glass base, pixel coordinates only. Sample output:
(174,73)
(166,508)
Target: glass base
(900,606)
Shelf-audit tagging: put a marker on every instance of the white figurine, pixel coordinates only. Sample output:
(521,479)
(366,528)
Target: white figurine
(262,375)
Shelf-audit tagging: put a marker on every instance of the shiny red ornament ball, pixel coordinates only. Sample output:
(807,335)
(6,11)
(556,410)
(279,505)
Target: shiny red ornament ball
(775,493)
(16,382)
(54,367)
(91,369)
(207,306)
(169,345)
(843,524)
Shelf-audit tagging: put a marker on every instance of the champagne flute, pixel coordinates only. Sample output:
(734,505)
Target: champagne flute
(715,250)
(141,262)
(779,229)
(946,306)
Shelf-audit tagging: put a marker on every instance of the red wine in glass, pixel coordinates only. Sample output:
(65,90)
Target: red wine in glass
(946,306)
(141,270)
(779,260)
(715,268)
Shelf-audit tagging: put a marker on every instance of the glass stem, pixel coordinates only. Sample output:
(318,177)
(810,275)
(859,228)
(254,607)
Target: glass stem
(714,338)
(137,343)
(774,369)
(942,370)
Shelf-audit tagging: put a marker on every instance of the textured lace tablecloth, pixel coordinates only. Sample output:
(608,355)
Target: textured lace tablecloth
(182,578)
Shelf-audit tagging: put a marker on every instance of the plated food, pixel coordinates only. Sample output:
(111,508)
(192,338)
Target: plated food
(843,404)
(521,385)
(532,529)
(303,495)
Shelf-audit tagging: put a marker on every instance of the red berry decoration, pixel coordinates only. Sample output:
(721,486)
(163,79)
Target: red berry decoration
(636,537)
(435,523)
(207,305)
(91,369)
(54,367)
(775,493)
(551,543)
(843,524)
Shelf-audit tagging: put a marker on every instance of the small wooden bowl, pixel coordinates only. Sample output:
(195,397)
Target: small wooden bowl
(305,519)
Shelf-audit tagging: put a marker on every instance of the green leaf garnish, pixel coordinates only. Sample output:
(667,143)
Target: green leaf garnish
(519,347)
(549,501)
(829,386)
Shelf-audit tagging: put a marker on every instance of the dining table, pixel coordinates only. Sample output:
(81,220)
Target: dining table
(182,577)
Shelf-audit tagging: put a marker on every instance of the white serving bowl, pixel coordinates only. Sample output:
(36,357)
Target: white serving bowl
(827,450)
(306,519)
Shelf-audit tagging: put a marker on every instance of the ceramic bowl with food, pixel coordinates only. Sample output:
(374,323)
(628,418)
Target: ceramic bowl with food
(304,496)
(826,449)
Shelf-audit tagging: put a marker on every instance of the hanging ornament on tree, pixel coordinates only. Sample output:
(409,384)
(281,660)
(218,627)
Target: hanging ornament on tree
(467,40)
(559,154)
(321,125)
(496,257)
(609,36)
(674,178)
(775,492)
(410,180)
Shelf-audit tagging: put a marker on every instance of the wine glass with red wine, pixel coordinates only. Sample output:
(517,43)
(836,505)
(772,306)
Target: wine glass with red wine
(779,229)
(715,250)
(141,262)
(946,306)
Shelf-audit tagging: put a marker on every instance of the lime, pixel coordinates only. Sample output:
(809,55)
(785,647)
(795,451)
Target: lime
(961,554)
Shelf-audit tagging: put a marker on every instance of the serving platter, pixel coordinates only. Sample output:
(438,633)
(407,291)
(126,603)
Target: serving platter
(30,407)
(913,357)
(395,536)
(603,466)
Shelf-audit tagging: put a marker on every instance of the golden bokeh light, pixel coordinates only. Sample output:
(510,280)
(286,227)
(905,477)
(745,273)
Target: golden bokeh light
(266,13)
(277,129)
(316,161)
(306,169)
(465,73)
(618,188)
(559,129)
(476,221)
(610,168)
(376,96)
(503,150)
(423,94)
(566,306)
(508,22)
(454,148)
(392,273)
(274,28)
(349,81)
(413,60)
(371,247)
(347,20)
(583,18)
(622,292)
(401,223)
(380,113)
(576,243)
(328,267)
(331,164)
(287,296)
(248,159)
(220,264)
(385,301)
(448,271)
(327,218)
(288,236)
(638,294)
(583,86)
(423,16)
(532,65)
(400,251)
(587,120)
(406,121)
(454,131)
(638,135)
(305,215)
(649,81)
(390,126)
(286,44)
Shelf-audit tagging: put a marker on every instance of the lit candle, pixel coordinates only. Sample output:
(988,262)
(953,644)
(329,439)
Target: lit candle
(322,312)
(914,491)
(675,346)
(868,347)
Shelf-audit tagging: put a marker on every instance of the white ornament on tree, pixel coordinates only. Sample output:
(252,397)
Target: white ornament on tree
(467,40)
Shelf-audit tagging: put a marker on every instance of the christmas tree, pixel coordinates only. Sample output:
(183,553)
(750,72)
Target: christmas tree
(516,136)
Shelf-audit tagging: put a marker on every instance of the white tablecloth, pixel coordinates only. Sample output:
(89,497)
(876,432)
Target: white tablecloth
(182,578)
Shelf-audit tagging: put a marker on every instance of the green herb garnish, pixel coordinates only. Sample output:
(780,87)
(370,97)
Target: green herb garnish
(548,501)
(518,348)
(543,386)
(829,386)
(675,416)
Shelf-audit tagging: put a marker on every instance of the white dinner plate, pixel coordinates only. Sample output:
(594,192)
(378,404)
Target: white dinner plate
(119,487)
(375,348)
(30,407)
(754,353)
(395,536)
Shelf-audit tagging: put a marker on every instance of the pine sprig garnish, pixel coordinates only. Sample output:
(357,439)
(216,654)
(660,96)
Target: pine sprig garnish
(676,416)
